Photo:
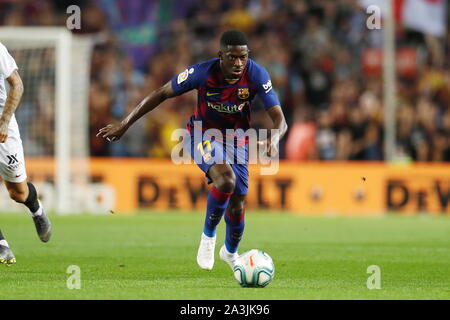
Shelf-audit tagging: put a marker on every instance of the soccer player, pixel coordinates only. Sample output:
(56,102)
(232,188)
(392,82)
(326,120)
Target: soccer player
(226,87)
(12,163)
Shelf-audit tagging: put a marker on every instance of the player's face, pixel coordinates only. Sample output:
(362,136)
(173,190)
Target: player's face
(233,60)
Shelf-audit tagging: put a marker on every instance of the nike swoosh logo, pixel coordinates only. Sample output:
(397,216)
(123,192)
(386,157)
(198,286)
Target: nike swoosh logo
(18,175)
(251,261)
(212,93)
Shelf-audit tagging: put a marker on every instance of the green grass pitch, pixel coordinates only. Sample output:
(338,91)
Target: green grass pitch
(153,256)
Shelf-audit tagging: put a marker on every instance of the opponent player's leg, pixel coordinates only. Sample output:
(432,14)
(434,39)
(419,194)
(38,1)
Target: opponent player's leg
(6,255)
(24,192)
(13,172)
(235,223)
(223,182)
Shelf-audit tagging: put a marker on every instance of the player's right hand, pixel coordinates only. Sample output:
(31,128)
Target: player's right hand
(112,132)
(3,131)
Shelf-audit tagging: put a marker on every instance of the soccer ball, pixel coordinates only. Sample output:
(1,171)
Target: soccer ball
(254,268)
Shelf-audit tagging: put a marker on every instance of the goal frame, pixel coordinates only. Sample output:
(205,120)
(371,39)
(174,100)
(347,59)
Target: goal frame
(61,38)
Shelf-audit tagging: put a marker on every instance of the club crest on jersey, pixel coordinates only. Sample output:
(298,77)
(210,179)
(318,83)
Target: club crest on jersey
(243,93)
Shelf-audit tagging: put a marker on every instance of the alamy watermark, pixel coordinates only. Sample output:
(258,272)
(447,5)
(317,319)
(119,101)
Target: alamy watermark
(236,146)
(74,280)
(374,281)
(74,20)
(373,22)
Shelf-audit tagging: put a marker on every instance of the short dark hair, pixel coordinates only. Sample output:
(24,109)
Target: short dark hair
(233,38)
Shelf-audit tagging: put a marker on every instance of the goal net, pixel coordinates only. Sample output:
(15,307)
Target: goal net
(53,114)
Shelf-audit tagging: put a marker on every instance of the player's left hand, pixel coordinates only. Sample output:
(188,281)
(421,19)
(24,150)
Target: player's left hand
(3,131)
(270,145)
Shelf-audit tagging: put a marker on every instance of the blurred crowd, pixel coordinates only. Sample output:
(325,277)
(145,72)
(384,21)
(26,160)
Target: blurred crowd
(315,51)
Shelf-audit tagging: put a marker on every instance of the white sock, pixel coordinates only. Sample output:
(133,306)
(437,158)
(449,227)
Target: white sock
(38,212)
(4,243)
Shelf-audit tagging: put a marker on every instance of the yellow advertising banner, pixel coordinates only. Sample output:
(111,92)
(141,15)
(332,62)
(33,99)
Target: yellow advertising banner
(345,188)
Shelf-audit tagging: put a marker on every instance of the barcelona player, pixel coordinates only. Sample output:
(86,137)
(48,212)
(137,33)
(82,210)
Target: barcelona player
(226,87)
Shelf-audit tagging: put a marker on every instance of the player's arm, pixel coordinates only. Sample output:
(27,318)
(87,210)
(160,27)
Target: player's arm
(279,123)
(113,132)
(272,106)
(12,101)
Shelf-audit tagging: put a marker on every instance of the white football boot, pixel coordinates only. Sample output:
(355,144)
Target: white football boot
(228,257)
(205,255)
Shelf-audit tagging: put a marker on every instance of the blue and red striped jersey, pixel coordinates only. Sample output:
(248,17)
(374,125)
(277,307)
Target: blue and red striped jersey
(221,105)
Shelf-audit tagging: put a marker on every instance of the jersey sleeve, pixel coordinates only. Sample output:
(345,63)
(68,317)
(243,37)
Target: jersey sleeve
(264,89)
(7,62)
(190,79)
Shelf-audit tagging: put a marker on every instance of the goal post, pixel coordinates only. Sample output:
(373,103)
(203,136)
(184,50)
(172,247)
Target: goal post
(54,65)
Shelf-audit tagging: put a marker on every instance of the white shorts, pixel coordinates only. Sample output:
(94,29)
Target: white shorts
(12,161)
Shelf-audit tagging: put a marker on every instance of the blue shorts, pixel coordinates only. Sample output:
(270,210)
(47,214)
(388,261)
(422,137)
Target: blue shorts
(206,153)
